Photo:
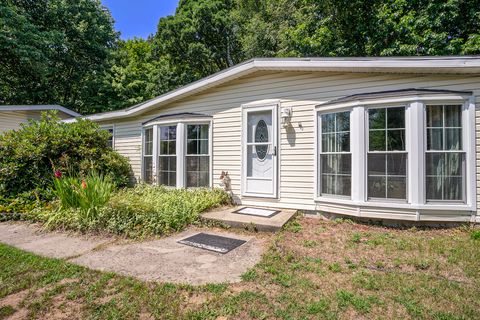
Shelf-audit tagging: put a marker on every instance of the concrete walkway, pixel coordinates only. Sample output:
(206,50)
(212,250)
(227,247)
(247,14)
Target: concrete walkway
(162,260)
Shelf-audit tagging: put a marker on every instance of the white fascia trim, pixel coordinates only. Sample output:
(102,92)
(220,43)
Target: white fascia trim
(469,65)
(40,108)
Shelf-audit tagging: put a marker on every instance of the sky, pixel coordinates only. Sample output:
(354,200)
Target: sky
(138,18)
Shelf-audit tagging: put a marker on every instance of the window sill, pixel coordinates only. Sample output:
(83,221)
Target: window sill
(398,205)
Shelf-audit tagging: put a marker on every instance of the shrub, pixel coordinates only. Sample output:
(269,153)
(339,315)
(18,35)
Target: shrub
(29,156)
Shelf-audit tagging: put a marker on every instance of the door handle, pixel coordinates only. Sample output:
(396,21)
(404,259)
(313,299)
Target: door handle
(275,151)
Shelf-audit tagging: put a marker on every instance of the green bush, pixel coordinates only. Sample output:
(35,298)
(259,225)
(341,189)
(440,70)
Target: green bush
(29,156)
(138,212)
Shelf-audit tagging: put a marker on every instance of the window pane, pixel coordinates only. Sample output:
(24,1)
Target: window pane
(387,171)
(397,164)
(164,133)
(203,146)
(167,170)
(343,142)
(197,171)
(328,142)
(453,139)
(376,187)
(377,140)
(396,117)
(376,118)
(376,164)
(192,147)
(148,142)
(445,176)
(343,121)
(434,139)
(192,131)
(328,122)
(328,184)
(434,116)
(434,188)
(397,188)
(148,169)
(396,140)
(329,163)
(434,164)
(335,172)
(343,185)
(453,116)
(453,188)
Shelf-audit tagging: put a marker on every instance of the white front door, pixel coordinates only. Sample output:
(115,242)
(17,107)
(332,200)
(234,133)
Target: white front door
(259,165)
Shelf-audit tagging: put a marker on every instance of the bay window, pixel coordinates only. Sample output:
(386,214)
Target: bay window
(335,157)
(444,156)
(406,149)
(177,153)
(387,159)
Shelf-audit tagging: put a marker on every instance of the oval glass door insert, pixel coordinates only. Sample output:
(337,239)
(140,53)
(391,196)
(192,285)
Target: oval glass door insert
(261,136)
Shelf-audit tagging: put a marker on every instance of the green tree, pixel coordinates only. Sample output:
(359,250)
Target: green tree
(135,75)
(198,40)
(53,51)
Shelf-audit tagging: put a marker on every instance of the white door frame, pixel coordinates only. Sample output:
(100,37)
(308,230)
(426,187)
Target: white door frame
(273,107)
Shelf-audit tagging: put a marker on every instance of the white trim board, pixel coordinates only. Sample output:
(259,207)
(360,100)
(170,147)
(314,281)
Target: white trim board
(39,108)
(412,65)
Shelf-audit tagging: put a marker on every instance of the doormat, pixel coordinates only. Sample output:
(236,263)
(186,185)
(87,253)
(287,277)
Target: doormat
(266,213)
(212,242)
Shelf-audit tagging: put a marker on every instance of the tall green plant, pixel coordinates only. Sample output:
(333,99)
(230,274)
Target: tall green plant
(88,195)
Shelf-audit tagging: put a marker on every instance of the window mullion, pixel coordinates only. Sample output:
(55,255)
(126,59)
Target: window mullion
(180,149)
(416,147)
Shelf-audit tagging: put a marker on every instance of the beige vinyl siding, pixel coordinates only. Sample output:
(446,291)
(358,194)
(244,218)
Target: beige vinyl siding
(301,91)
(11,120)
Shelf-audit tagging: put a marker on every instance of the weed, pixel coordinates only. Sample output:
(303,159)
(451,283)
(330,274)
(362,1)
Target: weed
(335,267)
(310,243)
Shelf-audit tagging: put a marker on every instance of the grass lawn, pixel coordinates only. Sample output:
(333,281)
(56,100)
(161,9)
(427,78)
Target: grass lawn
(314,269)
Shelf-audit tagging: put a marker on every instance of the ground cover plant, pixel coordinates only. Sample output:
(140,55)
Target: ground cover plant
(90,204)
(313,270)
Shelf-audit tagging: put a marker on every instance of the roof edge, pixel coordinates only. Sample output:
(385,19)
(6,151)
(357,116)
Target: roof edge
(39,108)
(427,64)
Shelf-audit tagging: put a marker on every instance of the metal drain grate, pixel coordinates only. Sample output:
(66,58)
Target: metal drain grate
(212,242)
(265,213)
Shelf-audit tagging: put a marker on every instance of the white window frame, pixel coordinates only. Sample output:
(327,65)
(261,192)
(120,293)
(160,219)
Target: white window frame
(181,147)
(318,152)
(415,127)
(159,155)
(153,153)
(110,127)
(367,152)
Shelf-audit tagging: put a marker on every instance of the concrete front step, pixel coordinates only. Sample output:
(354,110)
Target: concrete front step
(236,220)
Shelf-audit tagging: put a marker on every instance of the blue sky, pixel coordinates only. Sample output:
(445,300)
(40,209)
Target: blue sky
(139,18)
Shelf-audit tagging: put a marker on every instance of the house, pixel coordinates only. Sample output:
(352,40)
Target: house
(11,117)
(386,138)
